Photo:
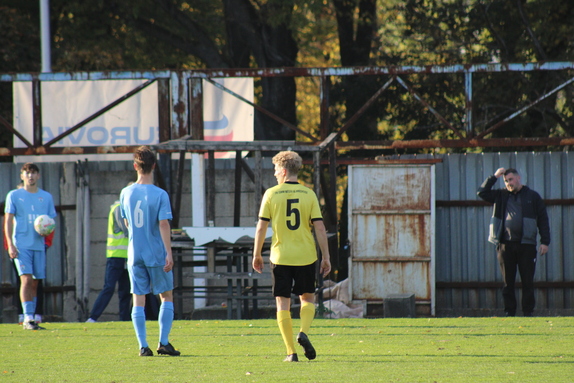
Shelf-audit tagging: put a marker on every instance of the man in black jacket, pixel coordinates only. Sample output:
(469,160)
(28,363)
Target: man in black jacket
(519,214)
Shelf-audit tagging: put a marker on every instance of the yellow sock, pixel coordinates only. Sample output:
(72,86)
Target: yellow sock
(307,314)
(286,327)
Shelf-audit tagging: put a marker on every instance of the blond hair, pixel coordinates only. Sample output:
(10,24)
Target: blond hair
(291,161)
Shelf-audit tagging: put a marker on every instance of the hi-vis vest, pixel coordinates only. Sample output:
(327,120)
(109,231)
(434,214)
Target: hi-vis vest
(117,244)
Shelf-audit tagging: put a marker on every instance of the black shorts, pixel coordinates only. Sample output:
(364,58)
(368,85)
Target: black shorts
(293,279)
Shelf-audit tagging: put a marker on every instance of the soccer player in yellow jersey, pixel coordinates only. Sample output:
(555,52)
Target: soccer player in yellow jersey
(293,211)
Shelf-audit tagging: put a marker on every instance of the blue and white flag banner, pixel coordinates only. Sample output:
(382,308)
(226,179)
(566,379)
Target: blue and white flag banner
(226,118)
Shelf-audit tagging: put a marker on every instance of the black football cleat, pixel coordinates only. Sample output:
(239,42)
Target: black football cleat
(146,351)
(307,346)
(167,350)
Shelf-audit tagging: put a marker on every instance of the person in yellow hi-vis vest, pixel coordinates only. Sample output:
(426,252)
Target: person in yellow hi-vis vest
(116,272)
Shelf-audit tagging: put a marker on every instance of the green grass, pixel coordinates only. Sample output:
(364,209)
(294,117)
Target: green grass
(348,350)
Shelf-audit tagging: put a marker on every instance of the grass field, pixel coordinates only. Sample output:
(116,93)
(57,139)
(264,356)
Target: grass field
(348,350)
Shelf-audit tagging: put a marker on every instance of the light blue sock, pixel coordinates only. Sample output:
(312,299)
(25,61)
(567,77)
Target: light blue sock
(35,300)
(138,319)
(28,310)
(165,321)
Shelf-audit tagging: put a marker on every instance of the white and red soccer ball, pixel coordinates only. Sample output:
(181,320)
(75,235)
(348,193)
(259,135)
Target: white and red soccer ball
(44,225)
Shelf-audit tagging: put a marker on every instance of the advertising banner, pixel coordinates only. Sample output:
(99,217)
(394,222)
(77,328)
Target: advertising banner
(226,118)
(132,122)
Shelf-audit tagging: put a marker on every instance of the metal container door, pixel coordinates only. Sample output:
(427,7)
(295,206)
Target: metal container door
(391,229)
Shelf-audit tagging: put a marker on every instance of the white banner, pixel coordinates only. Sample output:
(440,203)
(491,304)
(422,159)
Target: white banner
(132,122)
(226,118)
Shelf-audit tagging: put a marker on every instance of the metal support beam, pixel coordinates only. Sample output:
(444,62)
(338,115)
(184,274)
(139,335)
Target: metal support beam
(237,192)
(164,165)
(317,173)
(324,107)
(335,135)
(251,174)
(164,118)
(196,109)
(428,106)
(211,187)
(227,146)
(205,146)
(37,112)
(12,130)
(525,108)
(178,190)
(180,104)
(296,71)
(466,143)
(258,183)
(333,188)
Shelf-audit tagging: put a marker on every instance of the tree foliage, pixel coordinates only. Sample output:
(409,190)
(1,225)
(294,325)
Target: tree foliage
(446,32)
(183,34)
(18,31)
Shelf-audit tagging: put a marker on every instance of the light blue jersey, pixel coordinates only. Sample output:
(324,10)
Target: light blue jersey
(144,206)
(26,207)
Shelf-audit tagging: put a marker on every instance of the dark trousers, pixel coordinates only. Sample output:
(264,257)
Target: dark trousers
(512,256)
(116,272)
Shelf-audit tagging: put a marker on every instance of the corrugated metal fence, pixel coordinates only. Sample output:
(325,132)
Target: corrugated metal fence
(468,280)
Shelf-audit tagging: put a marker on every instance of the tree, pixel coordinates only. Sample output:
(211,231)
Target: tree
(18,31)
(488,31)
(178,34)
(356,26)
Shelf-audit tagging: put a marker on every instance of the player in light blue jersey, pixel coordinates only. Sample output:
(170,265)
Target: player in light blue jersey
(25,246)
(146,210)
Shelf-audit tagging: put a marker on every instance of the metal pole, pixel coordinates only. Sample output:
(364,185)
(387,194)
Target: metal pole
(198,220)
(45,39)
(468,104)
(258,184)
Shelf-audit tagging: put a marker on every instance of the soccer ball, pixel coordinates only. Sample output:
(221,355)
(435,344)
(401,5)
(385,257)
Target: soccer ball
(44,225)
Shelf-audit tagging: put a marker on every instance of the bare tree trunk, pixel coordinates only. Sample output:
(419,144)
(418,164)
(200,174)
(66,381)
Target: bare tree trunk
(356,43)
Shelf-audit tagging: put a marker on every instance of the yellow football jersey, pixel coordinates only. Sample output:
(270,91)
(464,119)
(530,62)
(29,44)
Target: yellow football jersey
(291,208)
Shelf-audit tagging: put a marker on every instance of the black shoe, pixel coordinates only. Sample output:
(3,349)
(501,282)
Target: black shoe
(307,346)
(146,351)
(291,358)
(167,350)
(32,325)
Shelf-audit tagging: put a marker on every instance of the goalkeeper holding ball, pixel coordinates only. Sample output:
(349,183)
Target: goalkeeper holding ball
(25,246)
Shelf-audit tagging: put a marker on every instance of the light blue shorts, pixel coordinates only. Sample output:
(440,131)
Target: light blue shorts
(31,262)
(144,280)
